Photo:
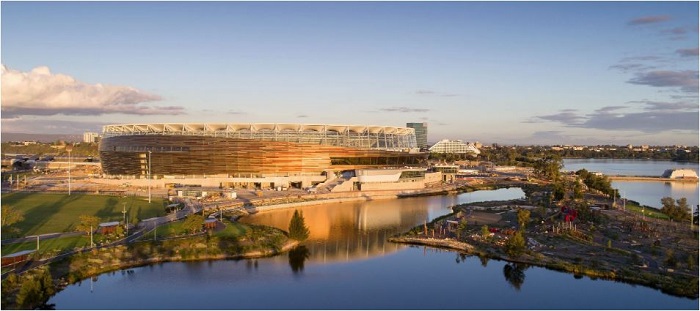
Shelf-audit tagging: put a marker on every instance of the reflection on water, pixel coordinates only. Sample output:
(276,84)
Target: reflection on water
(515,274)
(297,256)
(413,278)
(356,230)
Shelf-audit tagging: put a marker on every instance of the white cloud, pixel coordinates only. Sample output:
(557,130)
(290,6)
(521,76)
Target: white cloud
(40,92)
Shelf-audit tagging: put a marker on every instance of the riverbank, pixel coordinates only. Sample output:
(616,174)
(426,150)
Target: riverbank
(264,205)
(651,179)
(603,249)
(256,242)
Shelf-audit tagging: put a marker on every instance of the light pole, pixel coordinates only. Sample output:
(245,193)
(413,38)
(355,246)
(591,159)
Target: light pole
(69,148)
(149,176)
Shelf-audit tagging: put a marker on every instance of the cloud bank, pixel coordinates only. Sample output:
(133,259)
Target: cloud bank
(404,109)
(687,52)
(649,20)
(687,80)
(655,117)
(40,92)
(44,126)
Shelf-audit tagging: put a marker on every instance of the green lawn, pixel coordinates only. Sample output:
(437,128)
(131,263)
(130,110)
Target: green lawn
(49,213)
(57,245)
(649,212)
(233,229)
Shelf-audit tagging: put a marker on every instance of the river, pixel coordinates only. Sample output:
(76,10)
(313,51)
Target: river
(348,264)
(645,192)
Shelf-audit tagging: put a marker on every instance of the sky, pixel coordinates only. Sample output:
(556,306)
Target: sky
(545,73)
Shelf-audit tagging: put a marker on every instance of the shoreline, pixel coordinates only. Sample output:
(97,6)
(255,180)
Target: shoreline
(651,179)
(552,263)
(667,280)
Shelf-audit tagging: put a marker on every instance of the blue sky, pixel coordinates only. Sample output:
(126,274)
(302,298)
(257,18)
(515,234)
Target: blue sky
(508,73)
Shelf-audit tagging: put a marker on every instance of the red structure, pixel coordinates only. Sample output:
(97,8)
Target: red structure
(210,223)
(107,227)
(17,257)
(569,214)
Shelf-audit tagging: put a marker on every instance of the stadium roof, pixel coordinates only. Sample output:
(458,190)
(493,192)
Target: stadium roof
(223,128)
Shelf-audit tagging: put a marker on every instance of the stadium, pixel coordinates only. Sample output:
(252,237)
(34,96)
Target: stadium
(252,150)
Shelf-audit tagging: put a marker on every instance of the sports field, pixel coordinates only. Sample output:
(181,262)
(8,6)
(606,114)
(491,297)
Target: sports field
(50,213)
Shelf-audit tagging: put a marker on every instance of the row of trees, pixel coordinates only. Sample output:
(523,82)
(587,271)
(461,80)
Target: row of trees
(677,210)
(528,155)
(600,183)
(81,149)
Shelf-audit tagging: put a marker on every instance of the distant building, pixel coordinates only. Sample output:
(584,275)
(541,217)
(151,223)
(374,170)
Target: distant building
(454,146)
(421,133)
(680,173)
(90,137)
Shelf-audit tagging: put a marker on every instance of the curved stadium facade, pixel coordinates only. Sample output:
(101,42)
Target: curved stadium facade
(253,150)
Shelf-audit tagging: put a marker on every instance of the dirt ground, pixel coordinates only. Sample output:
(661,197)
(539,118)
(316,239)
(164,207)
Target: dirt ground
(623,243)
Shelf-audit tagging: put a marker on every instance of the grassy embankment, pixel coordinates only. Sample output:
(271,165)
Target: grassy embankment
(59,213)
(637,208)
(234,241)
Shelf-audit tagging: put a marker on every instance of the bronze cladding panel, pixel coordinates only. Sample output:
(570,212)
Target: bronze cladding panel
(196,155)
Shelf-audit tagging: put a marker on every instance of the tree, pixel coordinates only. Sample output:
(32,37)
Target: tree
(297,227)
(515,246)
(193,223)
(485,233)
(462,228)
(558,190)
(677,212)
(578,189)
(523,218)
(87,223)
(29,294)
(10,215)
(548,167)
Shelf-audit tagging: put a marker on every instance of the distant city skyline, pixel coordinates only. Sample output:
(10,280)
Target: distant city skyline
(526,73)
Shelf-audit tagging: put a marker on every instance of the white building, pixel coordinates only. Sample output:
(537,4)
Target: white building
(680,173)
(90,137)
(454,146)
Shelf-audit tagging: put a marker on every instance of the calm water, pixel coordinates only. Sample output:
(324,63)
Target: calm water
(348,265)
(626,167)
(646,192)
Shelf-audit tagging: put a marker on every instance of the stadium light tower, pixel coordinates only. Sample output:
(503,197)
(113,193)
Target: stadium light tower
(149,176)
(69,148)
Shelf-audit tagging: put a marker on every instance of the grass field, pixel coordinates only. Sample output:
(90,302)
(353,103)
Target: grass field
(49,213)
(649,212)
(57,245)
